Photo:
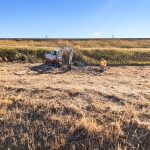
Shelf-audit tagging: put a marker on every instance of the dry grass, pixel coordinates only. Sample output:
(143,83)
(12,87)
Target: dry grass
(88,124)
(117,52)
(115,56)
(103,43)
(75,110)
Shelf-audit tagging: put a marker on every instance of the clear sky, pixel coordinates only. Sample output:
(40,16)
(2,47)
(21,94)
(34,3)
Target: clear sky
(74,18)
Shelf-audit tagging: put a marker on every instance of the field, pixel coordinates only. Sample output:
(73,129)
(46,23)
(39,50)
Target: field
(81,109)
(117,51)
(80,43)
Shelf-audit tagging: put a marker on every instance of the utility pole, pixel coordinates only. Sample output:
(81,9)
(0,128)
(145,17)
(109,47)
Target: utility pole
(46,42)
(46,38)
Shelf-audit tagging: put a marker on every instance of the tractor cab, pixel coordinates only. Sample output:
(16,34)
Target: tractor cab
(53,52)
(59,57)
(53,57)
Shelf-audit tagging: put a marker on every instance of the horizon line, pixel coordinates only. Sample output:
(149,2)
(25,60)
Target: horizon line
(71,39)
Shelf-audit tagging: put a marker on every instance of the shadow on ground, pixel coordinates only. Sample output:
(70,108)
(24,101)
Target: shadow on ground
(42,68)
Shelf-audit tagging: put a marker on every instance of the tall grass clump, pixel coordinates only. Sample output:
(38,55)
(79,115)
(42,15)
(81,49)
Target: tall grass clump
(22,54)
(115,56)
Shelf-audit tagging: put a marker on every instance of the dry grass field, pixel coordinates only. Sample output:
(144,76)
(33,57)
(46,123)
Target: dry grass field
(81,109)
(99,43)
(117,52)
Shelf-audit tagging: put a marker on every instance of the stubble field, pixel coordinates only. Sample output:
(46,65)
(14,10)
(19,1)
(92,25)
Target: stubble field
(80,109)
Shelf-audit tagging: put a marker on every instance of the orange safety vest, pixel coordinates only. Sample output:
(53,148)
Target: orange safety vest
(103,63)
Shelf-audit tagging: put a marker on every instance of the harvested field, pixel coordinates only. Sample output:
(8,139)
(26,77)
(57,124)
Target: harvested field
(80,43)
(80,109)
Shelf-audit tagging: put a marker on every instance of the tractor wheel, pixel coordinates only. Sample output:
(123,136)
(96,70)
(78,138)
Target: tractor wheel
(59,65)
(46,62)
(69,67)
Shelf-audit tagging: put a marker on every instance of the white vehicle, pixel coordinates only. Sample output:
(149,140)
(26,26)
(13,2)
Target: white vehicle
(58,57)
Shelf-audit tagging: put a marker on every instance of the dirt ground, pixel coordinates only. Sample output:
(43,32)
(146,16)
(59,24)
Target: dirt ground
(121,90)
(124,82)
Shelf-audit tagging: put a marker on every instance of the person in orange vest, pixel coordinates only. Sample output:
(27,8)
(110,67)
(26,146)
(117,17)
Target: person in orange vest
(103,65)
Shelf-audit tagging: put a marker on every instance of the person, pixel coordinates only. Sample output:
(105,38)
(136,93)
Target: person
(103,65)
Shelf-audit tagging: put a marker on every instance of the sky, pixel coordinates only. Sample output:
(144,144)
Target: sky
(74,18)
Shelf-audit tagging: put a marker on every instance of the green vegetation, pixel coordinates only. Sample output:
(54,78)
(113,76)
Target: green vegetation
(22,54)
(116,57)
(117,52)
(89,56)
